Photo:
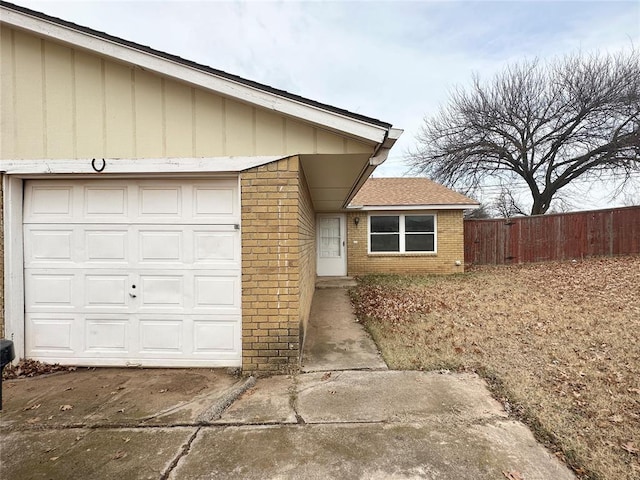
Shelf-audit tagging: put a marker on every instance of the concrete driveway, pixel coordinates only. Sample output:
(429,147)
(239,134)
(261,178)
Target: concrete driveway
(341,423)
(159,424)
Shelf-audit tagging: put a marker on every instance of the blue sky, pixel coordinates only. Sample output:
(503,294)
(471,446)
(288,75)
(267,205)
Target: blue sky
(396,61)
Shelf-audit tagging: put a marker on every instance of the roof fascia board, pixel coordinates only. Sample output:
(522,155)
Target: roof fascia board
(133,166)
(379,157)
(391,208)
(224,86)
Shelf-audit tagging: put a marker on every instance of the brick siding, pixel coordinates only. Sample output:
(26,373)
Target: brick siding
(276,265)
(307,241)
(450,247)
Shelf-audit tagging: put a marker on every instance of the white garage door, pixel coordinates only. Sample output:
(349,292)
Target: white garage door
(128,272)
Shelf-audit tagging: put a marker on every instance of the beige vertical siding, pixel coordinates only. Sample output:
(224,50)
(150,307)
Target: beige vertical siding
(59,115)
(210,124)
(29,99)
(58,102)
(178,117)
(7,92)
(118,106)
(89,109)
(149,133)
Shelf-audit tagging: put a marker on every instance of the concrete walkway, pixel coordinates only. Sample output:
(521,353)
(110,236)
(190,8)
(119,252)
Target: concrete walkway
(362,423)
(335,340)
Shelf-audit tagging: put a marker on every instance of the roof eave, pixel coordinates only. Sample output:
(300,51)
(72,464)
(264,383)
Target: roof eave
(447,206)
(379,156)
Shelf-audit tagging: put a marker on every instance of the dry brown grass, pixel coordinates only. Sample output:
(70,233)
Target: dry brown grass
(558,343)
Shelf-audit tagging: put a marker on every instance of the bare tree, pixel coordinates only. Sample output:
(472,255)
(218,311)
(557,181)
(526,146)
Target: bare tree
(506,205)
(482,212)
(539,125)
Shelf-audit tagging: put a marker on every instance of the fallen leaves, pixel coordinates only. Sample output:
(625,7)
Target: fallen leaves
(31,368)
(66,408)
(32,407)
(393,304)
(560,338)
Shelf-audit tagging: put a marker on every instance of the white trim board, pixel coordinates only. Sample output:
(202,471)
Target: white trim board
(401,208)
(134,166)
(224,86)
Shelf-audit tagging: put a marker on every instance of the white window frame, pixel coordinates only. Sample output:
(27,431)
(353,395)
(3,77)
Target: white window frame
(401,219)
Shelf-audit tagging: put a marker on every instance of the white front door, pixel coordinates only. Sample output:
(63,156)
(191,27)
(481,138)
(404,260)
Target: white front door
(121,272)
(332,258)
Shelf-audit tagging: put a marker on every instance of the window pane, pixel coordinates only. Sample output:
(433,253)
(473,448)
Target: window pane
(418,223)
(419,242)
(385,243)
(385,224)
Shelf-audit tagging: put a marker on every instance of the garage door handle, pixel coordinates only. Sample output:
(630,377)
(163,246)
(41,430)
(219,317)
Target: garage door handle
(132,295)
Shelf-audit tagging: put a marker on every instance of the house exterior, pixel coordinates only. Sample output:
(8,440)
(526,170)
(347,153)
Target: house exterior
(158,212)
(406,225)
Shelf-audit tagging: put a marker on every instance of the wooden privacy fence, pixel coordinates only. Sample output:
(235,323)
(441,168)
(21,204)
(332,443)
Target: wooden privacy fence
(561,236)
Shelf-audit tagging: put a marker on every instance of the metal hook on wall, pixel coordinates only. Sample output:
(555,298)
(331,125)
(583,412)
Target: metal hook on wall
(93,164)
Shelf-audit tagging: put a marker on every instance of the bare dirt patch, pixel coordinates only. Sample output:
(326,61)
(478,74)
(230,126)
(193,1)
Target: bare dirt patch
(558,343)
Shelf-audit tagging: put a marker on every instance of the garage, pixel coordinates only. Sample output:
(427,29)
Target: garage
(126,272)
(159,212)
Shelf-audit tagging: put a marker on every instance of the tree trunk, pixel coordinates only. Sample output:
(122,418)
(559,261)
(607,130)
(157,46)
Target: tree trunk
(540,204)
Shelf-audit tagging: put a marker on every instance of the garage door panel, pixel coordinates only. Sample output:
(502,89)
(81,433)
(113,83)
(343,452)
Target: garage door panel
(51,334)
(160,201)
(107,335)
(160,246)
(216,292)
(121,272)
(49,290)
(106,245)
(161,336)
(49,245)
(107,290)
(49,201)
(216,247)
(210,201)
(161,291)
(215,336)
(109,202)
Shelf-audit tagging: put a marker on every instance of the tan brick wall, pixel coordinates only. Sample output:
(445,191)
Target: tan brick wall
(307,242)
(272,275)
(450,247)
